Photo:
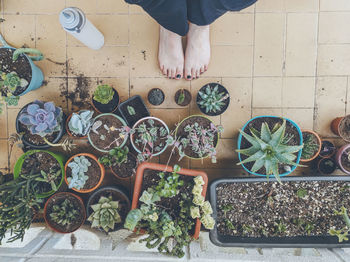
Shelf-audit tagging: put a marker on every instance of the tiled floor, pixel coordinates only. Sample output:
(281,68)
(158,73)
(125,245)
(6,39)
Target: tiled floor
(283,57)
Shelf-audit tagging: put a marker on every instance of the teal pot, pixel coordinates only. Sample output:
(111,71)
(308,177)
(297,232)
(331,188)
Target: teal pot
(240,137)
(37,74)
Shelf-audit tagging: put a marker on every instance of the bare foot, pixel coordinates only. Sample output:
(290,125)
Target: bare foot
(197,51)
(170,54)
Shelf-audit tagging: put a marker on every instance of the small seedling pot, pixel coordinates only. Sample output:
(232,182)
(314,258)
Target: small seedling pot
(319,146)
(110,107)
(68,131)
(102,172)
(327,149)
(137,103)
(222,89)
(326,166)
(64,195)
(156,96)
(117,175)
(163,168)
(187,99)
(341,126)
(341,156)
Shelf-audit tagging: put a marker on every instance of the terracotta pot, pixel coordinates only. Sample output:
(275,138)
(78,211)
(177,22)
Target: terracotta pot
(319,145)
(124,178)
(46,215)
(68,131)
(327,155)
(335,127)
(102,175)
(158,167)
(338,157)
(321,163)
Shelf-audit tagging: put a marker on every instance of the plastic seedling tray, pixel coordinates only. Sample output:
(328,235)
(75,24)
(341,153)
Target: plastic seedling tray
(138,105)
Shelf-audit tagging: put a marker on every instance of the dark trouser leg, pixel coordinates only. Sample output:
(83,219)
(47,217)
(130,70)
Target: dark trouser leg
(171,14)
(204,12)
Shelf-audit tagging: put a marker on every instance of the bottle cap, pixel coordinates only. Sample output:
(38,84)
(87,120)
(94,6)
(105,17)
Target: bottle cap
(72,19)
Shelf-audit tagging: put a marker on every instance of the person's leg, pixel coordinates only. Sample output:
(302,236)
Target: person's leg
(172,17)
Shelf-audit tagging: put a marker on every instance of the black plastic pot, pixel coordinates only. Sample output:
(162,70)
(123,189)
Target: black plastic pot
(139,106)
(156,96)
(272,242)
(221,90)
(110,107)
(326,166)
(29,145)
(327,149)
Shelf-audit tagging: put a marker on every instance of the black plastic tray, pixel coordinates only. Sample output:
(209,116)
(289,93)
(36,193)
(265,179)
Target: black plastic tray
(273,242)
(141,113)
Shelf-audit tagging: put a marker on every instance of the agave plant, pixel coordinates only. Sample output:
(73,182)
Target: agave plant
(103,94)
(65,213)
(80,123)
(269,149)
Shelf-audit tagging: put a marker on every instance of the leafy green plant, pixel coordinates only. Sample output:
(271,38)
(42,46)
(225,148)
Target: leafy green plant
(229,224)
(105,214)
(343,233)
(280,227)
(302,192)
(65,213)
(80,123)
(131,110)
(310,146)
(50,178)
(116,156)
(181,97)
(211,100)
(79,166)
(268,151)
(103,94)
(226,208)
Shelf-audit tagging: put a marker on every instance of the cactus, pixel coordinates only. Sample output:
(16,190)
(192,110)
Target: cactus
(79,166)
(80,123)
(65,213)
(103,94)
(211,99)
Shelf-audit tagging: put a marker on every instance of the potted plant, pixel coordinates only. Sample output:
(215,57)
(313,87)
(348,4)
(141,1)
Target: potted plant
(343,158)
(20,201)
(48,164)
(107,208)
(213,99)
(270,146)
(328,149)
(196,137)
(121,162)
(326,166)
(83,173)
(132,110)
(18,74)
(148,137)
(183,97)
(169,204)
(105,99)
(64,212)
(298,213)
(341,127)
(156,96)
(79,124)
(42,124)
(108,131)
(312,146)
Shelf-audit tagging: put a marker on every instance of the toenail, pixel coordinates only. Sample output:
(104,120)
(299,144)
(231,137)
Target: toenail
(178,76)
(188,77)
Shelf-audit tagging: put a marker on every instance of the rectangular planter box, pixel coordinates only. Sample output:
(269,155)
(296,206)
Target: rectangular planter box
(272,242)
(141,110)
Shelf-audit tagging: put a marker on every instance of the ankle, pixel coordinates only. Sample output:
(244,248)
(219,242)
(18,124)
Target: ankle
(198,27)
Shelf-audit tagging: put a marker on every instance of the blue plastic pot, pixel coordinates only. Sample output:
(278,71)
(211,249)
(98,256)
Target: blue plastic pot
(299,154)
(37,74)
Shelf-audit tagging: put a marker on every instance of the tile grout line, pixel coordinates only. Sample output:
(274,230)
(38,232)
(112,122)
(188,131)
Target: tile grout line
(316,70)
(253,65)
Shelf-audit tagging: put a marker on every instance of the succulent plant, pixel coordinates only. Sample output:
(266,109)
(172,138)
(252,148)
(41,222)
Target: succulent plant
(103,94)
(79,124)
(105,214)
(211,99)
(65,213)
(116,156)
(310,147)
(269,149)
(42,118)
(79,166)
(10,81)
(343,233)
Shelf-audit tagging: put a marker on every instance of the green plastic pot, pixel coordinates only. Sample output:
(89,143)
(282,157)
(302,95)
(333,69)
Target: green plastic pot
(60,159)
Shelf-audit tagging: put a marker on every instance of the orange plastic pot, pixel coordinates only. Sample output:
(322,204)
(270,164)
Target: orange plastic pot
(319,145)
(158,167)
(102,175)
(46,215)
(68,131)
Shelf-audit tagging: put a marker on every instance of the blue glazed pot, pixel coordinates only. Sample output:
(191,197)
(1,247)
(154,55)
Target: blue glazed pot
(299,154)
(37,74)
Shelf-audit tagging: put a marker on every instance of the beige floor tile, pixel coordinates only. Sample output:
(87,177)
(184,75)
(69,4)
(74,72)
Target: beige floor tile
(334,5)
(80,91)
(33,6)
(172,117)
(109,61)
(266,112)
(270,6)
(120,84)
(141,86)
(115,29)
(298,92)
(333,60)
(3,154)
(239,110)
(269,44)
(301,47)
(348,97)
(332,27)
(112,6)
(136,9)
(233,29)
(11,121)
(19,30)
(87,6)
(304,117)
(267,92)
(15,154)
(3,123)
(302,6)
(330,103)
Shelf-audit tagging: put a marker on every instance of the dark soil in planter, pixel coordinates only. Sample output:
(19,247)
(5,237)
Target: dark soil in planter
(156,96)
(94,174)
(345,161)
(110,107)
(57,200)
(41,161)
(291,131)
(187,99)
(141,110)
(344,128)
(202,121)
(127,169)
(327,166)
(21,66)
(36,139)
(314,140)
(221,90)
(280,210)
(327,149)
(109,136)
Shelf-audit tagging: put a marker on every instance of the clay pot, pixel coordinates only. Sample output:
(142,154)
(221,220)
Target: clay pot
(319,147)
(338,157)
(339,128)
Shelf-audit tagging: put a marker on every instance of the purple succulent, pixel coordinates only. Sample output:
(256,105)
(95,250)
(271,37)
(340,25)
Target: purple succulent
(42,118)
